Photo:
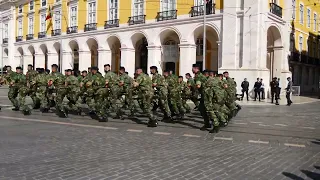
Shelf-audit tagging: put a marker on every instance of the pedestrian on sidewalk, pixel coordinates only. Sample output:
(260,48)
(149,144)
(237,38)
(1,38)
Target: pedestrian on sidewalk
(279,88)
(274,85)
(289,91)
(245,89)
(257,86)
(262,89)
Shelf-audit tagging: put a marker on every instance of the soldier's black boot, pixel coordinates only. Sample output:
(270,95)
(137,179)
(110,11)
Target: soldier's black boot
(224,124)
(167,119)
(205,127)
(36,106)
(152,123)
(79,112)
(103,118)
(44,110)
(215,129)
(26,112)
(15,109)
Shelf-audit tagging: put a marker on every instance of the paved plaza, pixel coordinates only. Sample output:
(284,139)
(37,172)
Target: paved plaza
(263,142)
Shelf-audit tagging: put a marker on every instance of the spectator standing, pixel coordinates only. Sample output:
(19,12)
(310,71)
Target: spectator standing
(245,89)
(289,91)
(257,87)
(262,89)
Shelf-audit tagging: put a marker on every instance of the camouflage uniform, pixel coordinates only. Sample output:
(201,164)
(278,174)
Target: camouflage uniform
(112,81)
(194,92)
(175,96)
(17,81)
(73,90)
(161,94)
(40,82)
(100,93)
(30,75)
(126,89)
(185,95)
(230,99)
(58,81)
(200,80)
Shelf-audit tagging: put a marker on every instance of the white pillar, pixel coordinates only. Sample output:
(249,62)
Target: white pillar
(128,60)
(67,61)
(17,61)
(53,58)
(105,57)
(27,59)
(84,60)
(39,61)
(154,57)
(278,61)
(187,58)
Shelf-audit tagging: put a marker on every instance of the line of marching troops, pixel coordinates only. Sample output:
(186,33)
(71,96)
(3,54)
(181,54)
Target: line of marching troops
(214,95)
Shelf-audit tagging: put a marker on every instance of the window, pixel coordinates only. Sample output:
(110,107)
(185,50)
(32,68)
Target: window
(43,3)
(20,9)
(293,9)
(138,8)
(30,30)
(113,9)
(92,13)
(43,23)
(199,50)
(309,17)
(301,13)
(20,27)
(315,22)
(300,43)
(6,30)
(73,16)
(57,20)
(198,3)
(168,5)
(31,5)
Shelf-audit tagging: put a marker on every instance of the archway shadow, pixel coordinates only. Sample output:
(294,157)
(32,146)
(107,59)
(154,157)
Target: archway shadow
(309,174)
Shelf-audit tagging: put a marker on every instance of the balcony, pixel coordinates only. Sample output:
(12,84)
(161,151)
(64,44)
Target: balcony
(141,19)
(41,35)
(56,32)
(29,36)
(111,23)
(90,27)
(5,40)
(19,38)
(199,10)
(72,29)
(276,9)
(167,15)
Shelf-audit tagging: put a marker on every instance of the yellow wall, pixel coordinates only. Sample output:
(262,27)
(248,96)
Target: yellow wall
(124,11)
(102,13)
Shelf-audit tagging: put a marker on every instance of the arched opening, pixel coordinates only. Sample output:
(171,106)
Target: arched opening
(140,45)
(6,52)
(5,57)
(44,50)
(32,52)
(93,47)
(274,52)
(20,51)
(75,54)
(57,48)
(169,43)
(115,45)
(212,51)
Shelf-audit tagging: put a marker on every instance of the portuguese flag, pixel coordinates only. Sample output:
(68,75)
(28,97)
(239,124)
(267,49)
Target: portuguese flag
(49,15)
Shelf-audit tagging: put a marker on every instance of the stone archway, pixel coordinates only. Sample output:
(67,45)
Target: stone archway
(44,50)
(140,44)
(57,47)
(274,52)
(32,52)
(75,54)
(115,45)
(93,48)
(212,51)
(170,47)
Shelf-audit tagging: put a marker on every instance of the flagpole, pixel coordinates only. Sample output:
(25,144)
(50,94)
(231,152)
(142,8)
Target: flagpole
(204,38)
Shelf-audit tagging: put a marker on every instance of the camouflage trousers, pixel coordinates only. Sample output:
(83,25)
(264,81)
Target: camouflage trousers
(212,107)
(113,99)
(61,93)
(73,97)
(175,102)
(12,95)
(41,94)
(161,100)
(23,93)
(146,98)
(100,101)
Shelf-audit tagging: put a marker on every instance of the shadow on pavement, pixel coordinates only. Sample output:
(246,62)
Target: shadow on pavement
(292,176)
(309,174)
(317,141)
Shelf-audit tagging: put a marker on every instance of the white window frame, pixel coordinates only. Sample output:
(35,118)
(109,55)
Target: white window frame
(308,17)
(89,12)
(31,26)
(294,9)
(171,5)
(43,1)
(71,23)
(6,30)
(31,4)
(315,22)
(43,23)
(198,2)
(301,13)
(57,18)
(20,27)
(300,43)
(111,8)
(134,2)
(20,8)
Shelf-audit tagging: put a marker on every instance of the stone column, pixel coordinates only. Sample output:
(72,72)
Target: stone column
(105,57)
(128,60)
(67,61)
(53,58)
(84,60)
(17,61)
(39,61)
(278,61)
(187,58)
(154,57)
(27,59)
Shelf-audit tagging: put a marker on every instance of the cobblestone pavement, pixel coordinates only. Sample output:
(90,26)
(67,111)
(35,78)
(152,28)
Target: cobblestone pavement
(262,142)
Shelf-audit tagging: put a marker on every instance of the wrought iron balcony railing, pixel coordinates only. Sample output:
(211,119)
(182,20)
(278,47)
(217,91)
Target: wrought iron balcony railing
(166,15)
(276,9)
(19,38)
(56,32)
(41,35)
(5,40)
(199,10)
(90,27)
(111,23)
(72,29)
(29,36)
(141,19)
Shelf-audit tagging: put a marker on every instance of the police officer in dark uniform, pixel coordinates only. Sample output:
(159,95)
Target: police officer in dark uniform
(274,85)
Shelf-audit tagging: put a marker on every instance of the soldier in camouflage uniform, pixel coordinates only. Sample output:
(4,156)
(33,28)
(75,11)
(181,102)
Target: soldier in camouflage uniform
(161,93)
(17,80)
(73,91)
(30,75)
(125,85)
(185,94)
(143,84)
(82,88)
(231,94)
(194,92)
(40,82)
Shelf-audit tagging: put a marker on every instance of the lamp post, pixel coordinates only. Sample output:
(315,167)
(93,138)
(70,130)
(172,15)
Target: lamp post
(204,34)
